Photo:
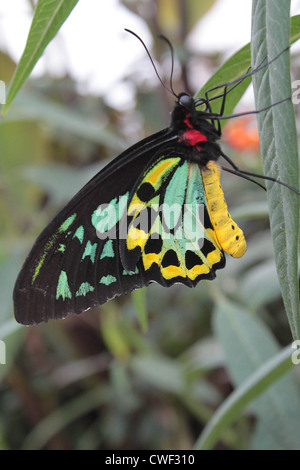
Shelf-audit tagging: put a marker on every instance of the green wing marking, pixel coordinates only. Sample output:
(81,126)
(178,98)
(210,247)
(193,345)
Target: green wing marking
(170,228)
(51,242)
(63,289)
(90,250)
(79,233)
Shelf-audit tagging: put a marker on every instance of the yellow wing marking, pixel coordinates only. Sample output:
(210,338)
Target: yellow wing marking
(159,170)
(180,243)
(229,235)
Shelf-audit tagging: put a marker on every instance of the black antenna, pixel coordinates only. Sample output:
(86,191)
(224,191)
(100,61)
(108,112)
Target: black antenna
(170,90)
(164,38)
(232,84)
(247,113)
(248,174)
(235,172)
(229,86)
(250,72)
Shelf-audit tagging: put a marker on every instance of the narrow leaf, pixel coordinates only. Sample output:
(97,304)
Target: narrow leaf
(233,406)
(235,67)
(139,299)
(278,138)
(248,344)
(48,18)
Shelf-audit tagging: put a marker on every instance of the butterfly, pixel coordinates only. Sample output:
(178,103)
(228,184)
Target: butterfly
(157,213)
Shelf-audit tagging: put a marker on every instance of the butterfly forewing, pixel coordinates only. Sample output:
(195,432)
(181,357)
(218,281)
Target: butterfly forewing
(73,265)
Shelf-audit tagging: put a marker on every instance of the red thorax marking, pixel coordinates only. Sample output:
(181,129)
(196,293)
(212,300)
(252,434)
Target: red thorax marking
(192,136)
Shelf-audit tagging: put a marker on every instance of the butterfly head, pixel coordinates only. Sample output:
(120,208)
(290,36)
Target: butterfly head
(192,125)
(186,101)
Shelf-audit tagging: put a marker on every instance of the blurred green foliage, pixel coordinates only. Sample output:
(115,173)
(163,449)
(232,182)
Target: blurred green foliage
(113,378)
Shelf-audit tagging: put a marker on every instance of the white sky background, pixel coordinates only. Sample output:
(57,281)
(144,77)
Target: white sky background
(94,49)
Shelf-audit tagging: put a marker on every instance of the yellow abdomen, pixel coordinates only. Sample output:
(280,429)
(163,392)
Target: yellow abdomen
(228,233)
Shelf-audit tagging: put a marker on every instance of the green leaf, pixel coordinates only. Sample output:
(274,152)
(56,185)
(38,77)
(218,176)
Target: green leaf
(263,440)
(8,273)
(113,331)
(259,285)
(295,28)
(248,344)
(65,415)
(48,18)
(234,405)
(34,107)
(194,10)
(278,140)
(3,444)
(255,365)
(139,299)
(236,66)
(160,372)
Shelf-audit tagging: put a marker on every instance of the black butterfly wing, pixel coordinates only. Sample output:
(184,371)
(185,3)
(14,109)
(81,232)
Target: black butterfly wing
(73,265)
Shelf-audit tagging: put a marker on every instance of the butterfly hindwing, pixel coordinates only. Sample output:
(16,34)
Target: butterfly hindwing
(170,228)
